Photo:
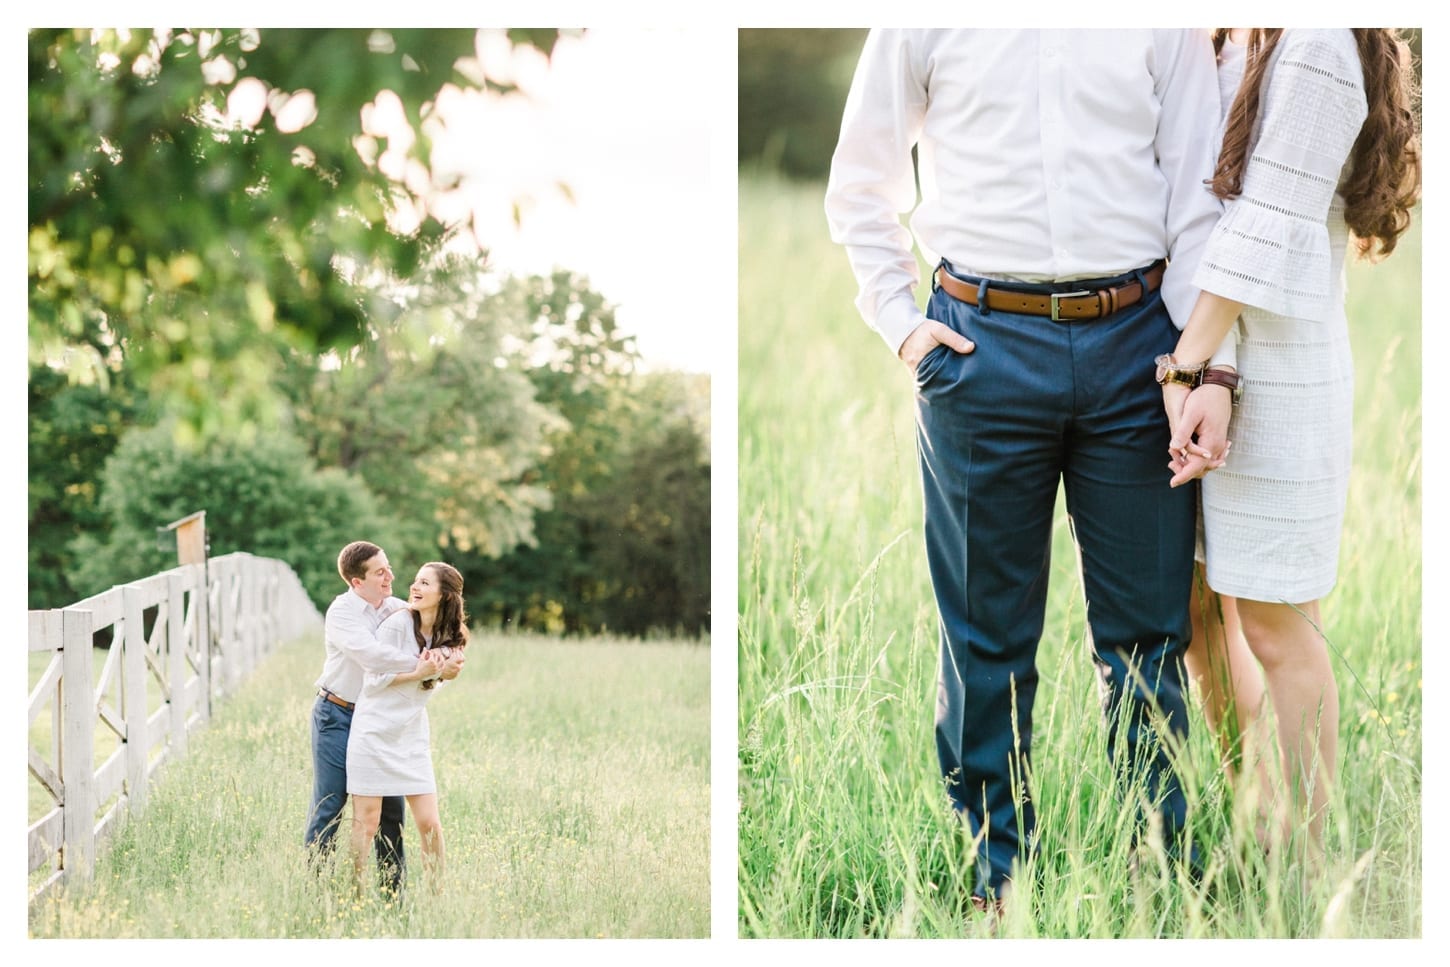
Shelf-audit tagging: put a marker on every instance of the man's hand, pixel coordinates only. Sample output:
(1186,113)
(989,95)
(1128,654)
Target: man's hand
(429,664)
(925,337)
(1200,441)
(452,665)
(1174,396)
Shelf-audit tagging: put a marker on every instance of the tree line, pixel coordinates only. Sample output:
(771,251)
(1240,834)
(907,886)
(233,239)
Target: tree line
(222,318)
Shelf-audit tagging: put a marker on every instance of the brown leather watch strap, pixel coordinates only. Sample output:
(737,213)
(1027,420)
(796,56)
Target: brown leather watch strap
(1227,378)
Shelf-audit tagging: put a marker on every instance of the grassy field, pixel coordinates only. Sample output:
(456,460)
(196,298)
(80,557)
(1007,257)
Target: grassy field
(843,828)
(573,786)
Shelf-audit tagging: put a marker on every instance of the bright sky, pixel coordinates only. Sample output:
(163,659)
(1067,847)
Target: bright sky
(615,117)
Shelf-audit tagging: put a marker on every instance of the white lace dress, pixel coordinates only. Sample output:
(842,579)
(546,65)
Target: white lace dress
(387,746)
(1272,515)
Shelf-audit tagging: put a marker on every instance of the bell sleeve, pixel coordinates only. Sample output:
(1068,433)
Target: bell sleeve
(1271,249)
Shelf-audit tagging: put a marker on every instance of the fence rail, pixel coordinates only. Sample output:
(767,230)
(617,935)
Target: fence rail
(178,642)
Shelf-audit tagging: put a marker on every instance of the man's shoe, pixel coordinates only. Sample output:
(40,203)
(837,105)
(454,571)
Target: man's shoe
(994,910)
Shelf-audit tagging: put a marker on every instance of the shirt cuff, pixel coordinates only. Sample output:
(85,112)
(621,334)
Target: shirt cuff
(1227,353)
(898,319)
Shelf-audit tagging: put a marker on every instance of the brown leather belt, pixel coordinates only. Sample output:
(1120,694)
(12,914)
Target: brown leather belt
(1059,306)
(324,693)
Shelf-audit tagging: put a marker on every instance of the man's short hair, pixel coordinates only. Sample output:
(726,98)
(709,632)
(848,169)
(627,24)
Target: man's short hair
(353,561)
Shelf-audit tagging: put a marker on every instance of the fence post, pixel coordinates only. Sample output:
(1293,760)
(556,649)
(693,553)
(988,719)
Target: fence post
(252,592)
(267,605)
(216,578)
(176,659)
(133,695)
(77,744)
(201,621)
(231,640)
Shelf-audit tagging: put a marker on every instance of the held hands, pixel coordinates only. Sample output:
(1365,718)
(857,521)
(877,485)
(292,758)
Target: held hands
(452,665)
(925,337)
(1198,421)
(430,664)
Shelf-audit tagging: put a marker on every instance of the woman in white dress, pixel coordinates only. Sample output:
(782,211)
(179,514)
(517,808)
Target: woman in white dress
(1320,153)
(387,748)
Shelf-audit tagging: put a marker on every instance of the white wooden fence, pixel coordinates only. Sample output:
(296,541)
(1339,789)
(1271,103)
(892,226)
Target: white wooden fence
(180,640)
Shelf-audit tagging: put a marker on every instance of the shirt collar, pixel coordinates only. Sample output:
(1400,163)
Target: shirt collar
(358,603)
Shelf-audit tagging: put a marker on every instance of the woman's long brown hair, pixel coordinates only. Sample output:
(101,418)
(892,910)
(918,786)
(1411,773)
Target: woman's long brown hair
(1384,177)
(449,624)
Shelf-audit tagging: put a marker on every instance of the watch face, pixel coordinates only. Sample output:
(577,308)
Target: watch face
(1164,370)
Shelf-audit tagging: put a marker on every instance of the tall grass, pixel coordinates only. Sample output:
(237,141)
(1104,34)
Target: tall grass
(843,828)
(573,787)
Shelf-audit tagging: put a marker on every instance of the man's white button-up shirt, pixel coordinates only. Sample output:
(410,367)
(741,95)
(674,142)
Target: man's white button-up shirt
(351,639)
(1044,155)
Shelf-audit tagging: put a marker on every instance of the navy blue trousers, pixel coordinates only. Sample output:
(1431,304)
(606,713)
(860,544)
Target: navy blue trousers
(331,725)
(1036,403)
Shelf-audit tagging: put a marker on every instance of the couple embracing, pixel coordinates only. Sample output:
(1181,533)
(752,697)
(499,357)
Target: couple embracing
(1139,239)
(384,659)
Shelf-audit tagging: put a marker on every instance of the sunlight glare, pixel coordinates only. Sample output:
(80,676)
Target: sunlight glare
(219,70)
(295,111)
(246,102)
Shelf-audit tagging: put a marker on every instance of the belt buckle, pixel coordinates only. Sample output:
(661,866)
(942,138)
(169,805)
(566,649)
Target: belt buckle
(1054,296)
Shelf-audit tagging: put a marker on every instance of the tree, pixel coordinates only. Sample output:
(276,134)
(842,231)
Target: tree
(793,86)
(657,511)
(199,238)
(625,544)
(266,497)
(582,370)
(73,430)
(437,414)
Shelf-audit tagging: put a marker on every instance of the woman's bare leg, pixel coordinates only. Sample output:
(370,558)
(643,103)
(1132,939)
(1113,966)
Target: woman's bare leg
(1231,687)
(430,831)
(367,811)
(1295,657)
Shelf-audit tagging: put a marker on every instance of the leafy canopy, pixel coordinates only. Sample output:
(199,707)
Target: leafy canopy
(197,198)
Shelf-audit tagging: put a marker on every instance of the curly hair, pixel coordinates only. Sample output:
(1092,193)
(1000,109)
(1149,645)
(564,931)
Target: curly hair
(450,629)
(1384,179)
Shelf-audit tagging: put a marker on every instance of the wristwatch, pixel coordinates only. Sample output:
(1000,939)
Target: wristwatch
(1223,376)
(1170,371)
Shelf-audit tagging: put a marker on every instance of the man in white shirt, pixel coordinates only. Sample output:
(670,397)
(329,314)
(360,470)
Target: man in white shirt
(352,648)
(1059,169)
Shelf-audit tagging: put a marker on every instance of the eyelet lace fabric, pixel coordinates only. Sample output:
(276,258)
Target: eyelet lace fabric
(1272,516)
